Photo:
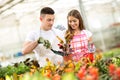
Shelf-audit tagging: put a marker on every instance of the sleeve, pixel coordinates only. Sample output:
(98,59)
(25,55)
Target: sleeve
(91,46)
(88,33)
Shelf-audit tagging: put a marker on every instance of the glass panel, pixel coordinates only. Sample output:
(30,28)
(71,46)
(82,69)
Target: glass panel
(103,19)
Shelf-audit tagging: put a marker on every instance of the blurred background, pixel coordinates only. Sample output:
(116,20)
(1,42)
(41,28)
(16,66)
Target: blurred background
(19,17)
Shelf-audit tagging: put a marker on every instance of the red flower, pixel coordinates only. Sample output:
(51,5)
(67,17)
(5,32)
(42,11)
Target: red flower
(81,73)
(117,73)
(112,68)
(90,56)
(93,72)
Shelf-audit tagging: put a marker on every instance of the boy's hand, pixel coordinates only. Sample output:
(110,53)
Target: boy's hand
(47,44)
(40,40)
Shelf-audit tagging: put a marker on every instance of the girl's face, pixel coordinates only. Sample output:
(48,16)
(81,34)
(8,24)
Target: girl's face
(73,22)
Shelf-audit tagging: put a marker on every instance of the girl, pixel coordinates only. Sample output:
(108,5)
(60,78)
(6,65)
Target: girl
(78,39)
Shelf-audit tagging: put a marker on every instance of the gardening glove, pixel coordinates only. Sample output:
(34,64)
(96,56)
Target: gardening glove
(18,54)
(47,44)
(91,47)
(40,40)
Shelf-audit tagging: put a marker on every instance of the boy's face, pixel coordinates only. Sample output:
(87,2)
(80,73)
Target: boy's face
(47,21)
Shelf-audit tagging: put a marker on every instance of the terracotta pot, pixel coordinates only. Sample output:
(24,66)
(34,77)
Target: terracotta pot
(68,57)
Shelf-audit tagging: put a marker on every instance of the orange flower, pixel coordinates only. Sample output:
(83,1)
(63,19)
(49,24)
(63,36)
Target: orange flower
(81,73)
(93,71)
(112,68)
(56,77)
(117,73)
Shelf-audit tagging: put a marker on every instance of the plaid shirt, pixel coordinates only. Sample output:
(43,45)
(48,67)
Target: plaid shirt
(79,45)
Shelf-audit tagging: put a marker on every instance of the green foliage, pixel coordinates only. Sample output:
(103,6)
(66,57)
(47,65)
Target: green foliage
(3,71)
(9,70)
(116,61)
(112,53)
(69,76)
(105,77)
(101,65)
(77,66)
(35,76)
(103,69)
(22,68)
